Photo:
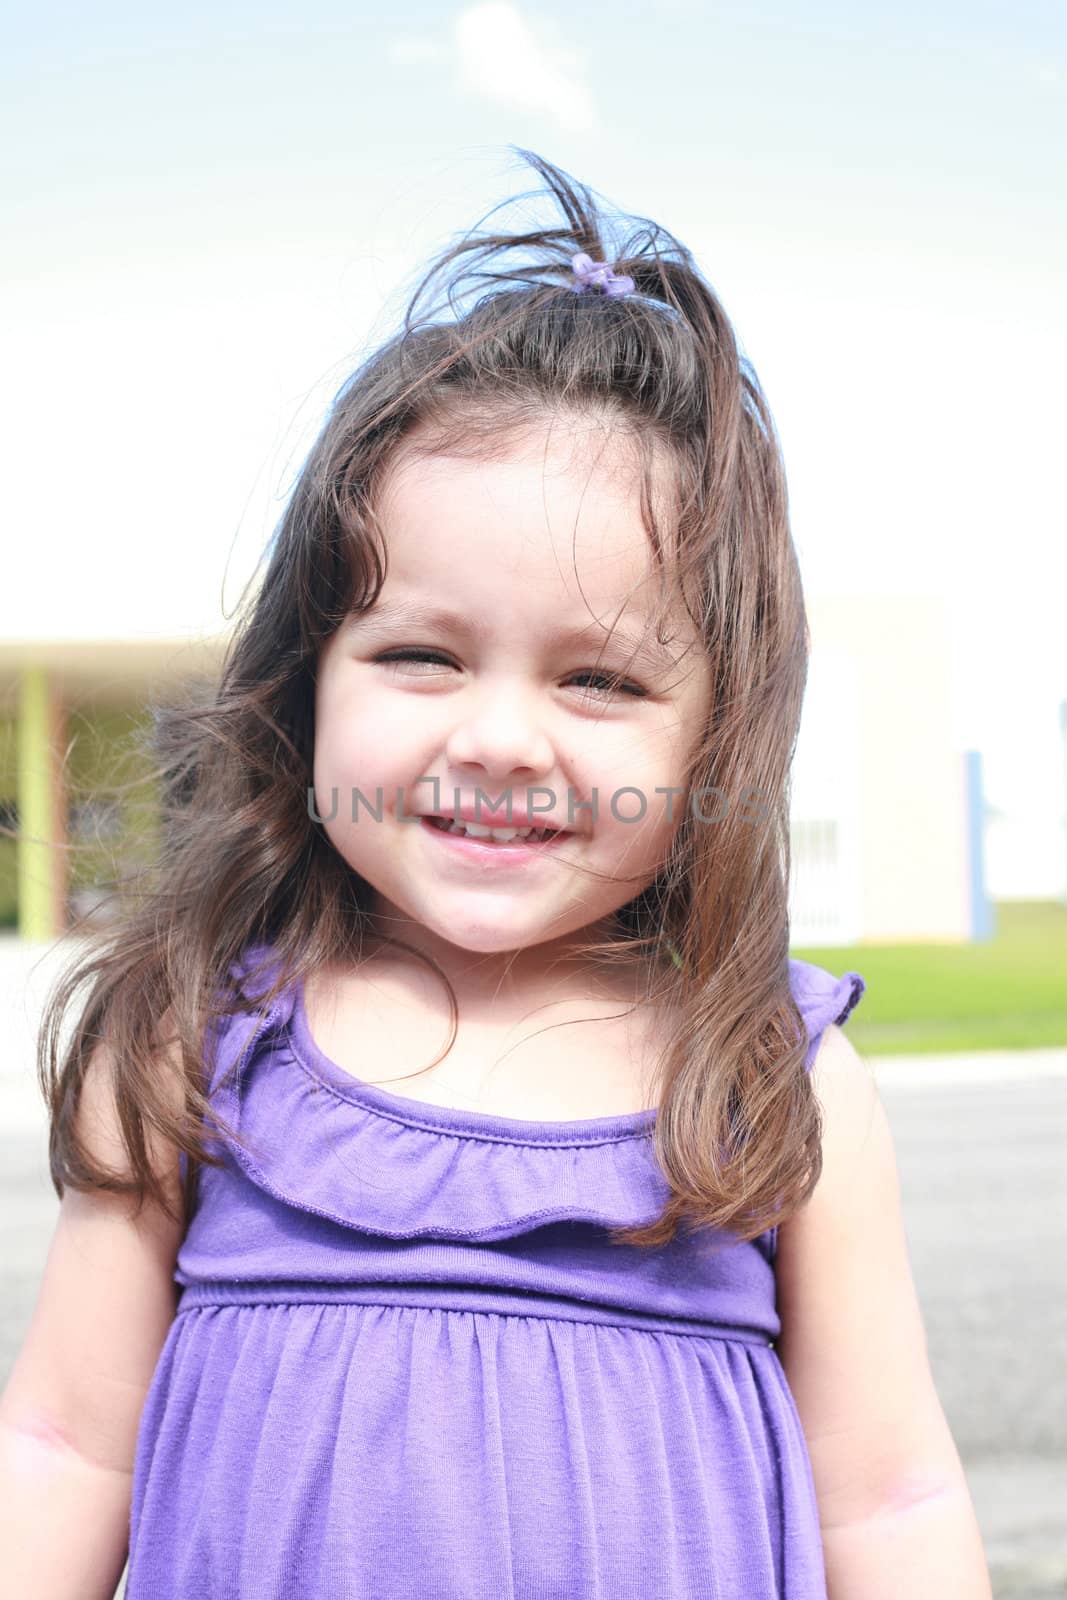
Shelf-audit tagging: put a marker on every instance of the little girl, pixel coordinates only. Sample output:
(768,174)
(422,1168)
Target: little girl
(513,1218)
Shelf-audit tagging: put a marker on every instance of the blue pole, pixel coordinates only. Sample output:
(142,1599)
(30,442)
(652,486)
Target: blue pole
(982,917)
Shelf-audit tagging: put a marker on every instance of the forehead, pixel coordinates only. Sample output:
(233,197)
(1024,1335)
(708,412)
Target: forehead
(558,508)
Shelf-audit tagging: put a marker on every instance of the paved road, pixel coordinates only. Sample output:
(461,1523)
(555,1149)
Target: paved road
(985,1209)
(980,1145)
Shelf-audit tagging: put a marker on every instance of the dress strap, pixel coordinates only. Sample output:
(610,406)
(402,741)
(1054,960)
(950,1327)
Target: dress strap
(823,999)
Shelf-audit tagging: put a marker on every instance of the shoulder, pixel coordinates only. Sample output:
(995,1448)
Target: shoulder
(857,1190)
(847,1093)
(100,1121)
(857,1185)
(852,1343)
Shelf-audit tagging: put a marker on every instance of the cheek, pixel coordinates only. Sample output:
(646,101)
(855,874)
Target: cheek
(356,736)
(644,758)
(658,762)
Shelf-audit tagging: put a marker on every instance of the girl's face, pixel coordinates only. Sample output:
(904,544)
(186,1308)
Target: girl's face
(479,667)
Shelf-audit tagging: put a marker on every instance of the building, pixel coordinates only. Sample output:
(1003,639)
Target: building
(887,815)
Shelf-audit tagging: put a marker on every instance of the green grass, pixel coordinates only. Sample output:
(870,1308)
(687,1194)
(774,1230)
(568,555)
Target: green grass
(1004,993)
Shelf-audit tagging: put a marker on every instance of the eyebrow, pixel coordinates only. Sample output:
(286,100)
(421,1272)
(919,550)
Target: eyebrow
(644,650)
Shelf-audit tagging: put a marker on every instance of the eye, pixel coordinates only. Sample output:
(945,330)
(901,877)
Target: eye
(621,685)
(394,657)
(607,684)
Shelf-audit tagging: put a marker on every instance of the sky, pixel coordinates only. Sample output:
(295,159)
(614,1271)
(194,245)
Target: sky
(210,212)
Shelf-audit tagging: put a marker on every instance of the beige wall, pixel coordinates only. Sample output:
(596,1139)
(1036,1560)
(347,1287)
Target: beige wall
(912,836)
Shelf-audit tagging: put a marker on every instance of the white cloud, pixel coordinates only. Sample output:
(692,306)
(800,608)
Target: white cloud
(506,59)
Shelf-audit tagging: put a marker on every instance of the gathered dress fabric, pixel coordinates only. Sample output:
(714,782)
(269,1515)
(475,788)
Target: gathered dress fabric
(409,1363)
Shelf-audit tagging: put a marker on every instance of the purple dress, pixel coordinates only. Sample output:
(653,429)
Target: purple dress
(408,1363)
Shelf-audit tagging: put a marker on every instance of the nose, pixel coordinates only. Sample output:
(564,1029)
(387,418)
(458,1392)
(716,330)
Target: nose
(500,730)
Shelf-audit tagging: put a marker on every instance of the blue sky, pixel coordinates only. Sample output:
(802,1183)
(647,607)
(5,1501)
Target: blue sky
(210,210)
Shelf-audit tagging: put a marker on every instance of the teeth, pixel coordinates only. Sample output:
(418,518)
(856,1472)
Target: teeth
(476,830)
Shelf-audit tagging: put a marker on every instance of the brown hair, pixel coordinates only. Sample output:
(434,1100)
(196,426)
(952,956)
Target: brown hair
(738,1131)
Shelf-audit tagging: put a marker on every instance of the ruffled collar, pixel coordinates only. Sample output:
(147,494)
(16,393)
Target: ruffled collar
(312,1135)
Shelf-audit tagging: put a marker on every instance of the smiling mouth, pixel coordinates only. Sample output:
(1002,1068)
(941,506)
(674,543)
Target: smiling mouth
(496,836)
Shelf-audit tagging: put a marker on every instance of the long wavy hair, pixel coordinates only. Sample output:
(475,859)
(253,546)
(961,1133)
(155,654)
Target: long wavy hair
(242,860)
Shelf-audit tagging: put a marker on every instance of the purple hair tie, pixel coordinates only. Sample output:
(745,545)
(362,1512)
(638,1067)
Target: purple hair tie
(598,275)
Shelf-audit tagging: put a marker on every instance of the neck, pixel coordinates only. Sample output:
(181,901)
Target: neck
(506,983)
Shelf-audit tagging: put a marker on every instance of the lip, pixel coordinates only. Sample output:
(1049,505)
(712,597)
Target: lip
(517,853)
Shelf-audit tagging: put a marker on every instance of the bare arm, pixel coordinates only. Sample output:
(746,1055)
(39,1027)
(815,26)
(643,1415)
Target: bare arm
(64,1520)
(70,1412)
(894,1507)
(928,1550)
